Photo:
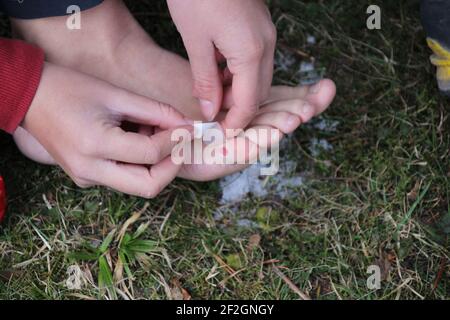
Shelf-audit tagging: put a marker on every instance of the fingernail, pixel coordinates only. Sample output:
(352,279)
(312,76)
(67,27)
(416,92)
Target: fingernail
(207,109)
(314,88)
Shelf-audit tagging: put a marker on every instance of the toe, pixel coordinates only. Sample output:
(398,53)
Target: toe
(321,95)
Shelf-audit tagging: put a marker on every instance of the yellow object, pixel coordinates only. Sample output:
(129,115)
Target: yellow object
(441,59)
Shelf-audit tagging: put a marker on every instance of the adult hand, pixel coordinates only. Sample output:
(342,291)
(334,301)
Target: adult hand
(240,31)
(78,121)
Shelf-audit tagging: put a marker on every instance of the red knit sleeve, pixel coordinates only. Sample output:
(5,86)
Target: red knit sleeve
(20,73)
(2,199)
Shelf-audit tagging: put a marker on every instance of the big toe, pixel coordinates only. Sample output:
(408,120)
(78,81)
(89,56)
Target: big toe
(321,95)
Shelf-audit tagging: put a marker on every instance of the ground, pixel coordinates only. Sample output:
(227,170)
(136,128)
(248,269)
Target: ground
(379,197)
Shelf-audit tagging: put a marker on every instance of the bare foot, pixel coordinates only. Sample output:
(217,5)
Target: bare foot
(287,109)
(112,46)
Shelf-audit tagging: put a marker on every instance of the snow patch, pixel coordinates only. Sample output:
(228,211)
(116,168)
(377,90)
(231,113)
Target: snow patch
(311,40)
(284,61)
(238,186)
(319,145)
(325,125)
(308,73)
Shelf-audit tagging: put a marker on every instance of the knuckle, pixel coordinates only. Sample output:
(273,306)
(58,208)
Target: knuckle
(272,34)
(154,187)
(283,116)
(255,50)
(167,111)
(204,83)
(81,183)
(250,54)
(245,116)
(151,192)
(79,171)
(250,111)
(153,152)
(87,146)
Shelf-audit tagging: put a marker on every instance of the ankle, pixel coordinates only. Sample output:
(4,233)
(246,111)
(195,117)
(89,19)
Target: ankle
(103,28)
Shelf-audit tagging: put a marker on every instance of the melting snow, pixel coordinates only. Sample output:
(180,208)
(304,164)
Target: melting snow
(238,186)
(325,125)
(284,61)
(311,40)
(319,145)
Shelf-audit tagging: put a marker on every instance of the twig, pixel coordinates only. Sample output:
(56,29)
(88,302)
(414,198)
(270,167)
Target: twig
(440,273)
(291,285)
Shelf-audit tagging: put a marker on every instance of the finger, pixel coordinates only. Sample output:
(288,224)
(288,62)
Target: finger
(284,121)
(137,180)
(142,110)
(245,91)
(139,148)
(267,72)
(227,101)
(207,78)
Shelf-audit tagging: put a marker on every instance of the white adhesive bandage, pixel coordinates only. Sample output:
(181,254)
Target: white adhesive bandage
(200,128)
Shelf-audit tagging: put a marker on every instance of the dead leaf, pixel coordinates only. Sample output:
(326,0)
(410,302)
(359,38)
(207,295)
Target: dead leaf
(253,242)
(412,195)
(178,292)
(385,263)
(134,217)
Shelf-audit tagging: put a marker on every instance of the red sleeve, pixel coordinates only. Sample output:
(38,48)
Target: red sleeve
(2,199)
(20,73)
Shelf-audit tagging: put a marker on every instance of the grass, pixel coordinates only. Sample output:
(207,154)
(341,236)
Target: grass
(380,197)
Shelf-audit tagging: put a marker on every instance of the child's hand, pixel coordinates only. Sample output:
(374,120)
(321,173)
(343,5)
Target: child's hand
(78,121)
(243,33)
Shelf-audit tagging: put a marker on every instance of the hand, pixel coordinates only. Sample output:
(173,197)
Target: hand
(240,31)
(78,121)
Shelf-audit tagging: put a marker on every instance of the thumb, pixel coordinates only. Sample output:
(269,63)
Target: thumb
(207,80)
